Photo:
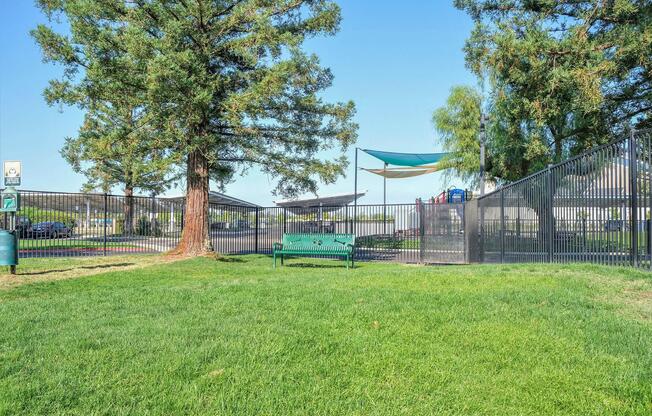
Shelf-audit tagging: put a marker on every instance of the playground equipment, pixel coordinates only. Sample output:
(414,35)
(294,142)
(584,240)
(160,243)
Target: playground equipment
(452,196)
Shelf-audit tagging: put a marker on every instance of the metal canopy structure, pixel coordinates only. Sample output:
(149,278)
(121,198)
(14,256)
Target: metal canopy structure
(326,203)
(86,202)
(96,202)
(218,198)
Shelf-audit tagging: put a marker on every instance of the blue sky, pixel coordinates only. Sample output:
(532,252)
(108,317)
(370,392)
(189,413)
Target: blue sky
(396,60)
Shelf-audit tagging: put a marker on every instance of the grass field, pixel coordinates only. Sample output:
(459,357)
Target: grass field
(235,337)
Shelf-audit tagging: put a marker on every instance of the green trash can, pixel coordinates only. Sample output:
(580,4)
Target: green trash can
(8,248)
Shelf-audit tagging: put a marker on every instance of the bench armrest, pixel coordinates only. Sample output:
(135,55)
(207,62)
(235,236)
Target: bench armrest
(278,246)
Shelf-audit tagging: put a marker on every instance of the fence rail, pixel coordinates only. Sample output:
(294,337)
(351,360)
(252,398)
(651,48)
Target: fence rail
(593,208)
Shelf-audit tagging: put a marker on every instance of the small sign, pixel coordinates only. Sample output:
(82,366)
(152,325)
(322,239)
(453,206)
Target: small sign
(12,170)
(9,203)
(10,200)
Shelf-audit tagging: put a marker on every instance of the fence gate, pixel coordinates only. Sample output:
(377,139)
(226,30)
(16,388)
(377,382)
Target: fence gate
(442,233)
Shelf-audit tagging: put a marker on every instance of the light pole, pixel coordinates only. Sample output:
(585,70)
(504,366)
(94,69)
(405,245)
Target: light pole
(482,153)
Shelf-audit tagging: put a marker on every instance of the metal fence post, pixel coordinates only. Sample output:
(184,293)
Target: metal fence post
(502,225)
(550,194)
(633,198)
(422,226)
(256,232)
(647,195)
(106,198)
(481,230)
(471,237)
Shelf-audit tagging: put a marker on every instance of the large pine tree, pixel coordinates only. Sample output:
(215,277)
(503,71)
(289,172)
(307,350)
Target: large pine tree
(225,82)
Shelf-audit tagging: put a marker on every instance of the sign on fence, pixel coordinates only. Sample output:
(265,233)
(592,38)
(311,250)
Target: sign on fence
(10,201)
(12,170)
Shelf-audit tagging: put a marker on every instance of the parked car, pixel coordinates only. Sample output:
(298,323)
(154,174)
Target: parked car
(240,225)
(50,229)
(219,225)
(614,225)
(23,226)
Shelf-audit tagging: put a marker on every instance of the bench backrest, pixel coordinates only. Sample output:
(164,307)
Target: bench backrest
(318,242)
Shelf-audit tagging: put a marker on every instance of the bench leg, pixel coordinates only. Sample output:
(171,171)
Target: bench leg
(282,259)
(274,256)
(346,259)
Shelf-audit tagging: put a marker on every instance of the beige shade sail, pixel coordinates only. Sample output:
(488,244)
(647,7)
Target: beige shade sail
(400,173)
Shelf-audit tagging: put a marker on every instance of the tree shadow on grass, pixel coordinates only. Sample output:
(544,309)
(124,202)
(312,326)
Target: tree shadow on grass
(231,260)
(99,266)
(43,272)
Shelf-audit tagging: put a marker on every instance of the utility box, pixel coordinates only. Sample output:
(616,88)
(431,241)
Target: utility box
(8,248)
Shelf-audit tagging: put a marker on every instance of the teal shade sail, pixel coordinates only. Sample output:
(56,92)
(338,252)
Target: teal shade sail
(406,159)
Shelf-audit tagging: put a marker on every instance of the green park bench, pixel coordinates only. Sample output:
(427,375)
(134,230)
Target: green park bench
(336,245)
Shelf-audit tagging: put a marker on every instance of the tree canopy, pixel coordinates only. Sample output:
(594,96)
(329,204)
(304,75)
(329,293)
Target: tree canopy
(562,76)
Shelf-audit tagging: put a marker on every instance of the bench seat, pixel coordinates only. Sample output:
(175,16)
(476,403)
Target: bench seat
(336,245)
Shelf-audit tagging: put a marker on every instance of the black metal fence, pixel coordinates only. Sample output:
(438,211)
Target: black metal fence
(383,232)
(54,224)
(592,208)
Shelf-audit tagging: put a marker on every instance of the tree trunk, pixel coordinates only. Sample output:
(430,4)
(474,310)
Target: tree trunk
(128,210)
(194,238)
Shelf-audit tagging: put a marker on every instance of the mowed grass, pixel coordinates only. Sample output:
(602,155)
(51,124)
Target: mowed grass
(235,337)
(33,270)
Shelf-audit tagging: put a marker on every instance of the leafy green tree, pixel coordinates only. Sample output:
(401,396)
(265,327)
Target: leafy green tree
(564,75)
(458,126)
(226,83)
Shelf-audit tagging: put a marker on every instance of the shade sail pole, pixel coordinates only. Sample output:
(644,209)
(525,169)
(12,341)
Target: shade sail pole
(385,203)
(355,192)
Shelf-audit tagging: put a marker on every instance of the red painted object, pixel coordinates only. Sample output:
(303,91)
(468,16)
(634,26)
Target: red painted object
(440,199)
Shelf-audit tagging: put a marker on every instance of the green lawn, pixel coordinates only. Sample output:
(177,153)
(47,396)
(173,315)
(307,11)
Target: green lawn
(235,337)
